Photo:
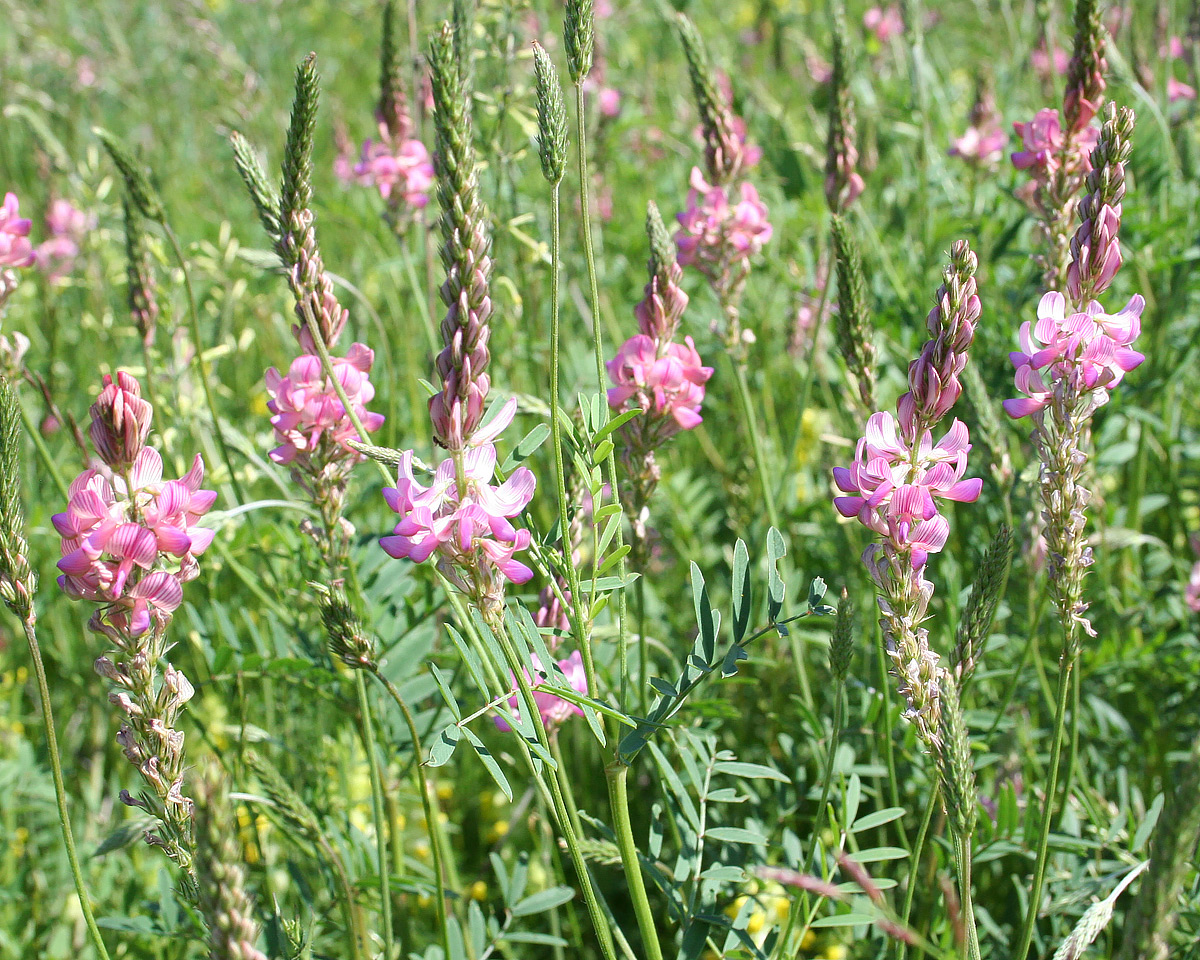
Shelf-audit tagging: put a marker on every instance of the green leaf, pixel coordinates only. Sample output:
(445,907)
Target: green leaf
(525,449)
(1147,825)
(704,616)
(729,664)
(742,595)
(842,920)
(542,901)
(446,692)
(489,762)
(877,819)
(776,550)
(877,854)
(443,746)
(615,424)
(735,835)
(750,771)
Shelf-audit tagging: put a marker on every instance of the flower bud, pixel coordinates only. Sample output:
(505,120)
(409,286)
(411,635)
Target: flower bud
(120,421)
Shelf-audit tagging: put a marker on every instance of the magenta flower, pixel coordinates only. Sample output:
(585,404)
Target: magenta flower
(120,421)
(1191,595)
(402,172)
(1088,350)
(1178,90)
(308,411)
(1043,140)
(884,23)
(669,384)
(15,249)
(117,536)
(465,521)
(714,231)
(609,102)
(66,226)
(554,710)
(1040,60)
(980,146)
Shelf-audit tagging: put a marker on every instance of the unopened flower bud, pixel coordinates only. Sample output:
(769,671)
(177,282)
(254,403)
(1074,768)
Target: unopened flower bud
(120,421)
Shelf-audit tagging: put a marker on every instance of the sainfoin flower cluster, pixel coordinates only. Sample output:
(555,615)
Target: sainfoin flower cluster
(15,248)
(66,227)
(129,538)
(898,478)
(309,417)
(400,169)
(721,225)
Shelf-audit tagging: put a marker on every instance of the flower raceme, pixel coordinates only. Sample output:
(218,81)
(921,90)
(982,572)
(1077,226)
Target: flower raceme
(465,521)
(554,710)
(893,486)
(400,169)
(1087,350)
(716,230)
(66,226)
(1043,140)
(15,249)
(307,409)
(668,383)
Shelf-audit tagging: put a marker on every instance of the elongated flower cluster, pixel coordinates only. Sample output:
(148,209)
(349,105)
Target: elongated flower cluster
(982,143)
(1056,148)
(66,227)
(461,517)
(15,249)
(309,417)
(897,480)
(1068,362)
(843,183)
(129,542)
(725,223)
(554,710)
(655,372)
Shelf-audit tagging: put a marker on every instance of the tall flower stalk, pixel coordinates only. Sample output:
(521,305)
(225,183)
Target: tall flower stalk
(18,586)
(1068,362)
(129,542)
(897,479)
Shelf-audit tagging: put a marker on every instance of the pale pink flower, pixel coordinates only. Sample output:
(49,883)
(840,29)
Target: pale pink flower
(667,383)
(714,231)
(1043,140)
(403,172)
(1178,90)
(1191,595)
(1041,61)
(609,102)
(554,710)
(15,249)
(67,226)
(117,534)
(1088,350)
(464,520)
(307,409)
(884,23)
(1173,49)
(981,146)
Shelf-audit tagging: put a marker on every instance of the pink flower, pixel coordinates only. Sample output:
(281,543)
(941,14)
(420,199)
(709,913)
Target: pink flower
(1191,594)
(893,490)
(980,146)
(609,101)
(669,384)
(554,710)
(307,410)
(15,250)
(1043,140)
(1087,350)
(1178,90)
(464,520)
(1041,61)
(403,170)
(713,231)
(117,536)
(884,24)
(120,421)
(67,227)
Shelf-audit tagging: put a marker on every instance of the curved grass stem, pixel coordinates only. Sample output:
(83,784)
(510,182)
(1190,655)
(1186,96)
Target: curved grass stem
(381,845)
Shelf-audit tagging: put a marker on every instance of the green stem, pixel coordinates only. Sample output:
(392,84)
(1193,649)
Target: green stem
(915,864)
(1039,870)
(562,811)
(60,790)
(611,463)
(44,452)
(351,915)
(198,346)
(582,635)
(437,851)
(617,775)
(760,458)
(962,850)
(889,750)
(381,848)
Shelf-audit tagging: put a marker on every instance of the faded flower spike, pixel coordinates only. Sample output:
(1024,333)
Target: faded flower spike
(843,183)
(552,117)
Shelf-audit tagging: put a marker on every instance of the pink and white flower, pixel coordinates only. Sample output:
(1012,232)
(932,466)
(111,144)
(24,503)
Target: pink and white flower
(667,382)
(67,226)
(714,230)
(308,411)
(15,249)
(1088,350)
(402,172)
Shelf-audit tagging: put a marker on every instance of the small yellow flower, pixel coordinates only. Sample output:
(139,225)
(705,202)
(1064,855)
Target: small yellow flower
(445,791)
(478,890)
(835,951)
(756,922)
(498,831)
(808,941)
(421,849)
(22,674)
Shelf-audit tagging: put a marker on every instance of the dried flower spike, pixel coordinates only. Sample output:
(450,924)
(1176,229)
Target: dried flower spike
(853,321)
